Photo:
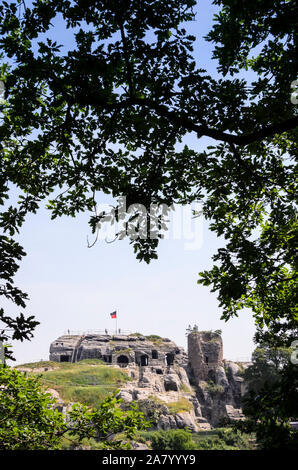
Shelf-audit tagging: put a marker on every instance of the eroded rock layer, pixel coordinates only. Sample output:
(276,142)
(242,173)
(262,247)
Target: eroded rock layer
(175,389)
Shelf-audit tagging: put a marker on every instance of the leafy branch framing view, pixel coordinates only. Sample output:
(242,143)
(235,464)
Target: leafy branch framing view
(105,115)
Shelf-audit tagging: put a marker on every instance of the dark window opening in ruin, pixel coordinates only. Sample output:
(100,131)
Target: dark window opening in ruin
(177,351)
(159,371)
(171,386)
(169,359)
(123,360)
(206,359)
(107,359)
(64,358)
(154,354)
(144,360)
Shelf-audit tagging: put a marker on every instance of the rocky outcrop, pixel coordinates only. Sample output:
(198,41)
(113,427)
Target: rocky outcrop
(220,397)
(166,397)
(118,349)
(174,389)
(208,403)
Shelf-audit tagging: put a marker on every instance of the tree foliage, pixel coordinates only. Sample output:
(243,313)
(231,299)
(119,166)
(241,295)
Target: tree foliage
(267,365)
(270,401)
(104,112)
(29,419)
(173,439)
(270,409)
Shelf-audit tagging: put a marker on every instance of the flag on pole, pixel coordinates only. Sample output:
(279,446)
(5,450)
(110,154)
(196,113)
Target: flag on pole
(113,314)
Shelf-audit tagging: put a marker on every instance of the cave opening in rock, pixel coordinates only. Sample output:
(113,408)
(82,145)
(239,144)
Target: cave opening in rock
(144,360)
(154,354)
(169,359)
(64,358)
(171,386)
(122,360)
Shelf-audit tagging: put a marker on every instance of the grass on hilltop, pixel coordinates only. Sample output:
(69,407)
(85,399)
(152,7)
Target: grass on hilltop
(88,381)
(37,365)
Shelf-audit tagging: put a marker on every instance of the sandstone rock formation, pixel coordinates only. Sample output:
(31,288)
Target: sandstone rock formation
(175,389)
(118,349)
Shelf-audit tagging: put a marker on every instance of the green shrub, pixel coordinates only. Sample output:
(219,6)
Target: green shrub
(233,438)
(214,389)
(179,406)
(70,442)
(152,409)
(224,439)
(187,389)
(212,444)
(153,337)
(174,439)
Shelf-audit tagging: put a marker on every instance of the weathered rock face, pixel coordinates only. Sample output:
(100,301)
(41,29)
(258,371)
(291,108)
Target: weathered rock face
(166,398)
(118,349)
(220,398)
(195,390)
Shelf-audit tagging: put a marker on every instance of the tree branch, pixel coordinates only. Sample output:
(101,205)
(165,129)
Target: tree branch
(201,130)
(126,58)
(176,116)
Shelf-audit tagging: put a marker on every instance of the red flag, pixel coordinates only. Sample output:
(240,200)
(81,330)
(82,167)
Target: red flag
(113,314)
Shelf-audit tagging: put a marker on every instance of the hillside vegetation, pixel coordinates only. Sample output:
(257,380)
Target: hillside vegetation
(88,381)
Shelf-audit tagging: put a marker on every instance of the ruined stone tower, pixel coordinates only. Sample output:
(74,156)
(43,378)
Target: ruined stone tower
(205,354)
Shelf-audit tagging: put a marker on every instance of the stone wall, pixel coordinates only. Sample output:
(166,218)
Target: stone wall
(205,354)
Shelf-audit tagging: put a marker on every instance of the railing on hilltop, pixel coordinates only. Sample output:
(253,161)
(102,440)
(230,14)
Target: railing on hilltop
(107,331)
(241,359)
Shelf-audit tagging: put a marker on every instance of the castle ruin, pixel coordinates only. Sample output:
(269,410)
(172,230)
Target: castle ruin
(159,368)
(122,350)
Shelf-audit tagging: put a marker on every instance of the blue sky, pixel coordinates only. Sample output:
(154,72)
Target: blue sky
(75,287)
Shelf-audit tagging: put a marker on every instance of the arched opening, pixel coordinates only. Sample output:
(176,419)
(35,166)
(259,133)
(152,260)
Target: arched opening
(64,358)
(169,359)
(154,354)
(122,360)
(144,360)
(206,359)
